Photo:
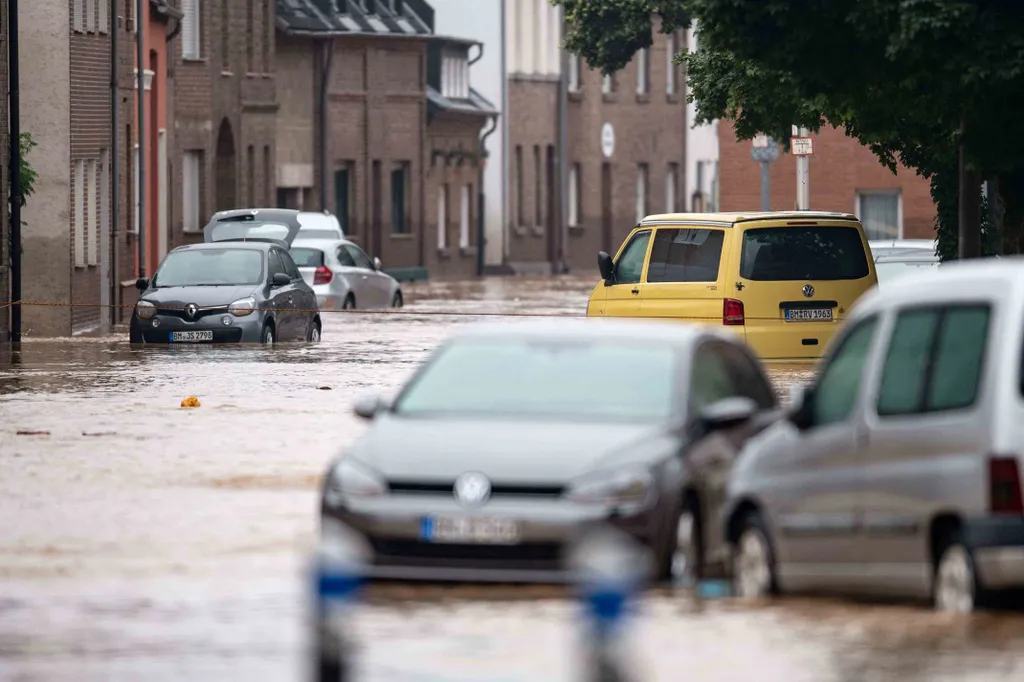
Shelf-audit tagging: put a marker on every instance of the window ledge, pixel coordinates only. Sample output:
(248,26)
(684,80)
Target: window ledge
(609,97)
(519,230)
(193,60)
(198,230)
(227,72)
(575,95)
(466,251)
(576,229)
(402,236)
(643,98)
(537,230)
(673,98)
(444,253)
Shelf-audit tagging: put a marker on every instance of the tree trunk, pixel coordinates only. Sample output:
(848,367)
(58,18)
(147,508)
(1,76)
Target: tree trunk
(970,210)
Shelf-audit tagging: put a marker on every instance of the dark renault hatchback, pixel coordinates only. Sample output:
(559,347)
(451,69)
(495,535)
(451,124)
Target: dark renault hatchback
(240,285)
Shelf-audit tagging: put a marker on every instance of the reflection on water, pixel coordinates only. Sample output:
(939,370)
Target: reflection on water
(142,540)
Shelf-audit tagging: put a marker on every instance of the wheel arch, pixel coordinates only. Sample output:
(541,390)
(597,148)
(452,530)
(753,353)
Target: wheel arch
(943,525)
(734,524)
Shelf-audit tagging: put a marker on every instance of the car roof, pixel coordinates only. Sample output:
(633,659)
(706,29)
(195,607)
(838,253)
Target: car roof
(669,331)
(730,218)
(320,243)
(981,278)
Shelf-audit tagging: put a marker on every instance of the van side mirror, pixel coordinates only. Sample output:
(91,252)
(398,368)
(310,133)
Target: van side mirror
(142,283)
(726,413)
(801,407)
(605,265)
(280,279)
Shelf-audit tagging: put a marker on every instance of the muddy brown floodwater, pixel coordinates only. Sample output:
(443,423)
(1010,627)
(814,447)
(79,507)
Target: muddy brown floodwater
(139,540)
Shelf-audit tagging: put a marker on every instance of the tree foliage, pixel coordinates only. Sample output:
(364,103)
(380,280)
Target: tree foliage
(910,79)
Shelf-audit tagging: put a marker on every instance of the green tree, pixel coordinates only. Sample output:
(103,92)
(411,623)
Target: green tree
(911,79)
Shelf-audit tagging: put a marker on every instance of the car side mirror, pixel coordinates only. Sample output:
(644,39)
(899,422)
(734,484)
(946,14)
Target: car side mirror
(376,263)
(726,413)
(368,407)
(801,407)
(142,283)
(280,279)
(605,265)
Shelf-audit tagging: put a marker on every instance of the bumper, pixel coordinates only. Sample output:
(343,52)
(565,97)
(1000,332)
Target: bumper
(998,548)
(781,340)
(241,330)
(392,526)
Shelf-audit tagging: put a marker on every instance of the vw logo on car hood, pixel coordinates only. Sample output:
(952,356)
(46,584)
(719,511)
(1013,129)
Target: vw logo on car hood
(472,488)
(808,290)
(190,310)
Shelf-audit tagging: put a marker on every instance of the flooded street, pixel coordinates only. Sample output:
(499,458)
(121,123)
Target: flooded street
(141,540)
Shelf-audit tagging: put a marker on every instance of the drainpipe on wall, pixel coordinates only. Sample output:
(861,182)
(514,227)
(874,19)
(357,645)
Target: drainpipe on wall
(563,154)
(504,135)
(481,236)
(326,60)
(13,61)
(108,264)
(140,84)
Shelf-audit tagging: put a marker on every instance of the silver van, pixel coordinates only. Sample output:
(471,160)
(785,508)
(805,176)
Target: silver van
(898,471)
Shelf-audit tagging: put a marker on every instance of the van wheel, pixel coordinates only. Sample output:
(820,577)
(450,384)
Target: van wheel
(955,587)
(350,303)
(753,560)
(397,301)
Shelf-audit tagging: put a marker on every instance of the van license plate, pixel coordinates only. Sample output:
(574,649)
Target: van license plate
(192,337)
(470,530)
(808,314)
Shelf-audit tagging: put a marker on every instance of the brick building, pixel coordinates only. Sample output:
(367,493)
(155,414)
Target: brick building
(844,176)
(5,233)
(379,125)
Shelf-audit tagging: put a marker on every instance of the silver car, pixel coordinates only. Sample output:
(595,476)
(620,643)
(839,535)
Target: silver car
(343,276)
(899,257)
(513,436)
(899,470)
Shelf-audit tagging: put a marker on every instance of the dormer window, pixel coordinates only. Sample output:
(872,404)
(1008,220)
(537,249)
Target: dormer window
(455,75)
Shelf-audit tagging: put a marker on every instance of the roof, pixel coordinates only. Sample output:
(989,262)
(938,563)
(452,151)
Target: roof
(348,17)
(743,216)
(476,104)
(630,331)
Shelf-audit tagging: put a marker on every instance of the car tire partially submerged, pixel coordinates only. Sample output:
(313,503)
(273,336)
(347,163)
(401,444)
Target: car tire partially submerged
(753,564)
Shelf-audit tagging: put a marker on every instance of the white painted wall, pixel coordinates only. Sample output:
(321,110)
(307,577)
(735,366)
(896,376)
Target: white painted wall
(481,20)
(701,145)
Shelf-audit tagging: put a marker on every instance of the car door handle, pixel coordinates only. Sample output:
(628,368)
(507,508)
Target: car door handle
(636,291)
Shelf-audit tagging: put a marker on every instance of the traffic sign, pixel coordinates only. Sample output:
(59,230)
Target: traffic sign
(764,149)
(801,146)
(607,140)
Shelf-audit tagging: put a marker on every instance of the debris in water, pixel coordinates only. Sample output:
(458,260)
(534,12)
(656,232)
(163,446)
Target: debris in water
(95,434)
(26,432)
(323,388)
(190,401)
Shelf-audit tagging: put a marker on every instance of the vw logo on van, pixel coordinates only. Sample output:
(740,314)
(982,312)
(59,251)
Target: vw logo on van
(472,489)
(808,290)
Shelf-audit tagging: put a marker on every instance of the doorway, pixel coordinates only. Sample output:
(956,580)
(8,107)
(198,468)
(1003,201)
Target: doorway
(225,168)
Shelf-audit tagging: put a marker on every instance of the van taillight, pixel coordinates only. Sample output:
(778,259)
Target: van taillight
(1004,486)
(732,312)
(323,275)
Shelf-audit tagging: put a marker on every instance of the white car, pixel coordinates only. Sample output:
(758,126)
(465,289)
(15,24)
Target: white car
(343,276)
(323,225)
(898,257)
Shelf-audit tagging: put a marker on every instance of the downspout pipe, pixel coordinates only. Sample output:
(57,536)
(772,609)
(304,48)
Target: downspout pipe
(481,235)
(109,274)
(479,55)
(15,169)
(563,158)
(140,84)
(326,61)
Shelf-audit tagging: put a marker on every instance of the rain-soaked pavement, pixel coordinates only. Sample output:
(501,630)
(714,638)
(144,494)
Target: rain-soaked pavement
(139,540)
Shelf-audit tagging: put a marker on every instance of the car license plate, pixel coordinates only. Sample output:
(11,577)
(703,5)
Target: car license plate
(470,530)
(192,337)
(808,314)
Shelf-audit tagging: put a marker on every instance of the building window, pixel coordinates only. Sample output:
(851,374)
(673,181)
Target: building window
(90,16)
(538,188)
(464,216)
(520,217)
(671,183)
(225,35)
(643,72)
(455,76)
(343,196)
(574,73)
(79,216)
(268,182)
(104,23)
(104,194)
(574,195)
(129,13)
(881,213)
(608,84)
(399,192)
(135,191)
(250,35)
(78,15)
(641,192)
(442,218)
(191,192)
(268,22)
(670,67)
(250,162)
(92,212)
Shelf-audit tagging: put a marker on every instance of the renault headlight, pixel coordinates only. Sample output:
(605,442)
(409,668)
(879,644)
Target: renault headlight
(632,485)
(242,307)
(352,479)
(145,310)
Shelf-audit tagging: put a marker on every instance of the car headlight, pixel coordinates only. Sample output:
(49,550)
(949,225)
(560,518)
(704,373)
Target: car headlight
(626,486)
(145,310)
(352,479)
(242,307)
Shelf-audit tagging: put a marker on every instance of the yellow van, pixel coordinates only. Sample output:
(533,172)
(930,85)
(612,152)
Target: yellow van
(783,280)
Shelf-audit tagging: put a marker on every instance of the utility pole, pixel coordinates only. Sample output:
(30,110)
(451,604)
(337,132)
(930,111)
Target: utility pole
(802,147)
(14,111)
(765,150)
(969,242)
(140,84)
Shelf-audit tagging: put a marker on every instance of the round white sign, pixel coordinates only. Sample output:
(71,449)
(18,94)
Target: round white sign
(607,140)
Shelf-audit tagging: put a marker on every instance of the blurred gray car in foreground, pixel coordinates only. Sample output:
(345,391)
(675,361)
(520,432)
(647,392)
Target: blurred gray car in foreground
(513,436)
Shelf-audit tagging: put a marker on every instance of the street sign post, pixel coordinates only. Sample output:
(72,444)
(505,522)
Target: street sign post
(765,151)
(802,147)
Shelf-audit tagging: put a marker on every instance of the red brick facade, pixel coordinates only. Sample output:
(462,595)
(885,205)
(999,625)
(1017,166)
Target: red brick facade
(840,168)
(5,233)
